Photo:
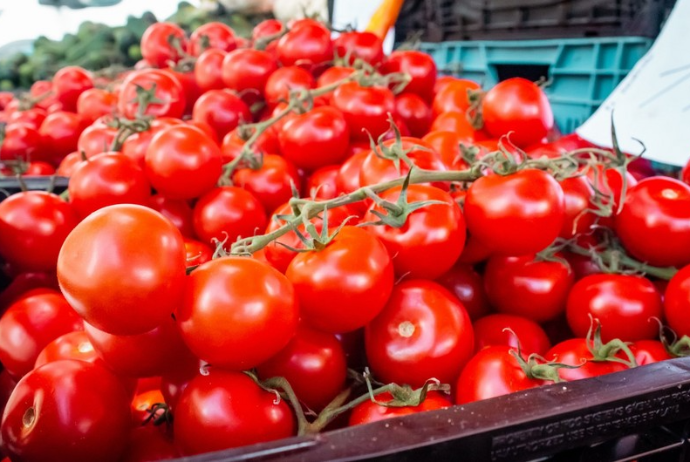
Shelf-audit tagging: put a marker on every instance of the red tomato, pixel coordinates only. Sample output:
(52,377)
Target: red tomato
(191,89)
(519,106)
(72,345)
(677,302)
(148,443)
(33,117)
(218,35)
(654,225)
(322,183)
(577,194)
(95,103)
(96,139)
(348,175)
(526,334)
(228,213)
(254,418)
(468,286)
(447,146)
(454,96)
(420,67)
(20,141)
(221,109)
(168,93)
(432,237)
(156,46)
(182,162)
(174,383)
(29,325)
(309,45)
(270,184)
(230,319)
(142,403)
(527,223)
(39,168)
(285,80)
(370,411)
(248,69)
(69,164)
(415,113)
(208,70)
(177,211)
(422,333)
(267,28)
(60,133)
(355,45)
(123,269)
(333,75)
(314,365)
(33,226)
(70,82)
(366,109)
(527,287)
(609,182)
(455,122)
(649,352)
(575,352)
(136,145)
(624,304)
(197,253)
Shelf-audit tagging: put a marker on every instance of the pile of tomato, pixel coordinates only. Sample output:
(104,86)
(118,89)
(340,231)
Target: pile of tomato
(279,235)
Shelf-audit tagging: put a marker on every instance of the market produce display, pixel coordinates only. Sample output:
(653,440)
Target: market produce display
(290,234)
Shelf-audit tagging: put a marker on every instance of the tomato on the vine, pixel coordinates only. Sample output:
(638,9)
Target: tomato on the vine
(248,69)
(212,36)
(366,109)
(69,83)
(576,352)
(454,96)
(272,183)
(95,103)
(223,110)
(60,133)
(365,46)
(419,66)
(308,45)
(677,302)
(370,411)
(19,141)
(169,95)
(509,330)
(157,45)
(415,113)
(285,80)
(208,70)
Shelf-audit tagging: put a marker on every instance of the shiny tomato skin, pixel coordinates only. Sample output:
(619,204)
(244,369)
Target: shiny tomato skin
(168,90)
(220,37)
(182,162)
(524,286)
(156,47)
(225,409)
(574,352)
(33,226)
(96,139)
(369,411)
(314,365)
(491,330)
(447,146)
(248,69)
(654,225)
(423,332)
(649,352)
(267,28)
(420,67)
(237,312)
(365,46)
(72,345)
(197,253)
(208,70)
(69,83)
(577,195)
(454,96)
(322,183)
(366,109)
(20,142)
(68,410)
(624,304)
(415,112)
(348,175)
(284,80)
(309,45)
(136,145)
(354,272)
(677,302)
(272,183)
(60,133)
(223,110)
(95,103)
(467,285)
(123,249)
(177,211)
(30,324)
(432,238)
(33,117)
(456,122)
(528,223)
(331,76)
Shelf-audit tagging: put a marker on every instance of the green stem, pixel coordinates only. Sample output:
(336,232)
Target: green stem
(622,260)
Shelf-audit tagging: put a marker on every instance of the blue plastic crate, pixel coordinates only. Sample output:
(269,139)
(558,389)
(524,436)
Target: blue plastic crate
(583,71)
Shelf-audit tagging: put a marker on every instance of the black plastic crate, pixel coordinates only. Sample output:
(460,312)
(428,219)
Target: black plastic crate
(441,20)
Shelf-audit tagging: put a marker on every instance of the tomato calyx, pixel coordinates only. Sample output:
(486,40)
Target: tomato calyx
(676,347)
(316,241)
(126,128)
(606,352)
(474,111)
(536,367)
(159,414)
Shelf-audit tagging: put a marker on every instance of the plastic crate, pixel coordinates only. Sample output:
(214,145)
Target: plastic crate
(583,72)
(442,20)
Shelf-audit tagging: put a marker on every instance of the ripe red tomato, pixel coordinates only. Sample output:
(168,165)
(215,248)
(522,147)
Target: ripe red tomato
(33,117)
(333,75)
(208,70)
(20,141)
(649,352)
(168,92)
(609,182)
(197,253)
(70,82)
(123,269)
(355,45)
(223,110)
(248,69)
(67,411)
(30,324)
(577,194)
(366,109)
(467,285)
(307,45)
(39,168)
(348,175)
(33,226)
(148,443)
(136,145)
(96,139)
(527,287)
(677,302)
(230,319)
(454,96)
(624,304)
(95,103)
(218,36)
(322,183)
(527,223)
(431,239)
(314,365)
(519,106)
(60,133)
(370,411)
(72,345)
(654,225)
(270,184)
(182,162)
(526,334)
(174,383)
(421,68)
(423,332)
(285,80)
(243,413)
(156,46)
(267,28)
(457,123)
(266,143)
(447,146)
(575,352)
(177,211)
(415,113)
(192,91)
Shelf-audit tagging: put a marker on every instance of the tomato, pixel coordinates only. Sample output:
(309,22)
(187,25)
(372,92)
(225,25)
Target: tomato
(192,91)
(370,411)
(575,352)
(123,269)
(454,97)
(197,253)
(455,122)
(285,80)
(237,312)
(60,133)
(623,304)
(70,82)
(267,28)
(168,93)
(519,106)
(72,345)
(43,91)
(23,283)
(182,162)
(30,324)
(33,117)
(525,286)
(208,70)
(422,333)
(308,45)
(527,223)
(95,103)
(492,372)
(248,69)
(609,182)
(174,383)
(348,175)
(228,213)
(177,211)
(314,365)
(33,226)
(654,225)
(421,68)
(136,145)
(221,109)
(218,35)
(577,194)
(270,184)
(366,109)
(353,272)
(365,46)
(322,183)
(447,146)
(468,287)
(148,443)
(156,46)
(69,164)
(526,334)
(19,141)
(432,237)
(68,410)
(649,352)
(415,113)
(316,138)
(223,410)
(96,139)
(677,302)
(39,168)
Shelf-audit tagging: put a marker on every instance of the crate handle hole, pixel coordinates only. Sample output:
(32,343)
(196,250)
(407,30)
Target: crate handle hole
(532,72)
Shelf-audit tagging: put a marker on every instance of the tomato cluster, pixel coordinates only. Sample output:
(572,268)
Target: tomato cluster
(238,232)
